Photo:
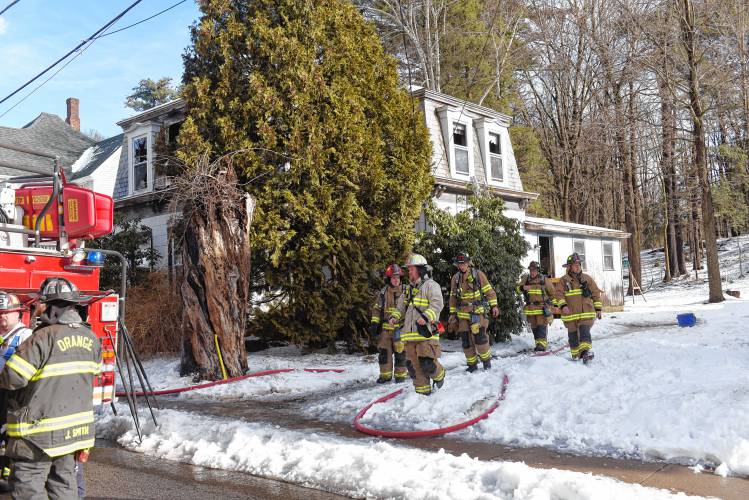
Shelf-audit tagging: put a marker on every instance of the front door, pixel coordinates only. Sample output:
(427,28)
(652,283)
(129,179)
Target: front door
(546,255)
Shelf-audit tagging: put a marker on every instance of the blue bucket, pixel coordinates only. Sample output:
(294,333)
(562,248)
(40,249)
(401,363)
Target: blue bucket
(686,319)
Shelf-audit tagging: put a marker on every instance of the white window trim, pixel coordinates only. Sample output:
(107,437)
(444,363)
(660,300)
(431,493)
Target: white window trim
(141,130)
(485,127)
(603,256)
(447,118)
(585,251)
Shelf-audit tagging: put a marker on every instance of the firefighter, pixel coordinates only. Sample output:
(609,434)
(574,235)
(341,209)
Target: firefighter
(389,344)
(539,295)
(51,420)
(579,299)
(470,295)
(419,308)
(12,332)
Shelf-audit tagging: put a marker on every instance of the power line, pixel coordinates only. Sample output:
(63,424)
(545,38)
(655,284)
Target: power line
(84,42)
(80,53)
(11,4)
(141,21)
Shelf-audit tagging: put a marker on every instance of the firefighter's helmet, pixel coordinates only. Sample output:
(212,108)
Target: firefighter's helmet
(572,259)
(416,259)
(393,270)
(9,303)
(60,290)
(534,265)
(461,258)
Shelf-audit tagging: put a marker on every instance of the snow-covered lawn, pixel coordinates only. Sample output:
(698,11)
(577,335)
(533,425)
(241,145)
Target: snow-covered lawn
(359,468)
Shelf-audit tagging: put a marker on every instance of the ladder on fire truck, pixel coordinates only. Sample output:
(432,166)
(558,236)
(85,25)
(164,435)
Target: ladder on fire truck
(128,363)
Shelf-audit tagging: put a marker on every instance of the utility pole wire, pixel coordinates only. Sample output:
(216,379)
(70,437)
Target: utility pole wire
(84,42)
(11,4)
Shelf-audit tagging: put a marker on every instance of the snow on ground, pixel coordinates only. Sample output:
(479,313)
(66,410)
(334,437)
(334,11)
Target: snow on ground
(358,468)
(654,391)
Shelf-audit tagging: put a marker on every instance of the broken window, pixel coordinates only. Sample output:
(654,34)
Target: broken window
(460,143)
(579,249)
(495,157)
(140,164)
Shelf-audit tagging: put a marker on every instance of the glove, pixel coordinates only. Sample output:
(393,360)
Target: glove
(495,311)
(398,347)
(452,323)
(565,310)
(374,330)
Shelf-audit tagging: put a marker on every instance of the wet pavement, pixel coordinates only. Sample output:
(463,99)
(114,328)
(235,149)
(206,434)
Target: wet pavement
(114,473)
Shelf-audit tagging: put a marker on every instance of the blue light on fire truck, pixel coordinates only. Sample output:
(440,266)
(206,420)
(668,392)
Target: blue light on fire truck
(95,259)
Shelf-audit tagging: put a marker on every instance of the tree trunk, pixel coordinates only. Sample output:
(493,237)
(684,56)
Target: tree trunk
(698,134)
(215,288)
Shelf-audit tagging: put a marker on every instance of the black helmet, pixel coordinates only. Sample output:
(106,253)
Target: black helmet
(572,259)
(461,258)
(534,265)
(60,290)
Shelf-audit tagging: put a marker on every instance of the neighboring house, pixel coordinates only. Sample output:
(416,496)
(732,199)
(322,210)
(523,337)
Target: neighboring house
(140,190)
(49,134)
(471,146)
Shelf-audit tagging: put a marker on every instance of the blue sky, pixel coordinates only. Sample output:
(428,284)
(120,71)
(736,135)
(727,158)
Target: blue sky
(34,33)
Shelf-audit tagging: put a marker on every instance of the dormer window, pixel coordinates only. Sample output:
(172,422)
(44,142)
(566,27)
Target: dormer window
(140,163)
(460,145)
(495,157)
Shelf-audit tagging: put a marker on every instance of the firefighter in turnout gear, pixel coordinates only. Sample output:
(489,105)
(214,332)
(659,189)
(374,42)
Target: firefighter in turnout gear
(471,295)
(579,299)
(419,308)
(51,418)
(389,345)
(539,295)
(13,333)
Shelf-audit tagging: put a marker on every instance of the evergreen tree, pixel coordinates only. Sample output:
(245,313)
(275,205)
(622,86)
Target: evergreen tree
(329,146)
(495,245)
(149,93)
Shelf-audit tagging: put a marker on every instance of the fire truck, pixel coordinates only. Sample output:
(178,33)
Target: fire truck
(46,223)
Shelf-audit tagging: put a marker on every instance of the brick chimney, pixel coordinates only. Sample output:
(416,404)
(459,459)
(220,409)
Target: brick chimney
(73,119)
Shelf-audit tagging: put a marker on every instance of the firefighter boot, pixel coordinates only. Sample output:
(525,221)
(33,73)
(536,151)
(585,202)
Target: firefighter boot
(472,368)
(587,356)
(487,364)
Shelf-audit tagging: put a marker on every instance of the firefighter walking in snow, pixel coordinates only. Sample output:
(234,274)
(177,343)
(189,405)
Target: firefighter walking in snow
(538,295)
(579,298)
(471,295)
(389,344)
(52,417)
(419,308)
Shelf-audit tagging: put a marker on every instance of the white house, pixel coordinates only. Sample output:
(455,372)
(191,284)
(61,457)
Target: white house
(471,145)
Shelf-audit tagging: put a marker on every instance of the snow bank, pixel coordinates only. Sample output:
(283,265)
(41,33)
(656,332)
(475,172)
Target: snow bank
(359,468)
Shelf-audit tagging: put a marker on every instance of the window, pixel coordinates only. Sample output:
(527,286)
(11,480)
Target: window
(608,257)
(495,157)
(579,248)
(460,143)
(140,164)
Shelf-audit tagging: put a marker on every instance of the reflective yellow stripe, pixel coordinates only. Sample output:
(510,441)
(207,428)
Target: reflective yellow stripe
(585,346)
(486,288)
(542,342)
(415,337)
(535,291)
(69,448)
(573,293)
(453,309)
(69,368)
(492,302)
(21,366)
(598,305)
(533,312)
(420,302)
(423,389)
(397,314)
(50,424)
(472,360)
(388,327)
(431,314)
(440,376)
(375,320)
(486,355)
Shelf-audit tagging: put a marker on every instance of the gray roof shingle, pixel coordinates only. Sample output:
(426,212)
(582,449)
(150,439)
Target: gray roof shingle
(47,133)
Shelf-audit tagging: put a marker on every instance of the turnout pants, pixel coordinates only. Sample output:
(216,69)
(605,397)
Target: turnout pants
(388,357)
(44,476)
(475,345)
(423,364)
(579,337)
(539,327)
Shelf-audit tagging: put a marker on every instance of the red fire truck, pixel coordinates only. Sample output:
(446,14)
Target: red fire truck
(45,223)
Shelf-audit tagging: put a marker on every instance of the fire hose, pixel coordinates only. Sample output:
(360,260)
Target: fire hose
(178,390)
(441,430)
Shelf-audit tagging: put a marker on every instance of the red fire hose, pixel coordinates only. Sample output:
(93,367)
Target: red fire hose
(441,430)
(165,392)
